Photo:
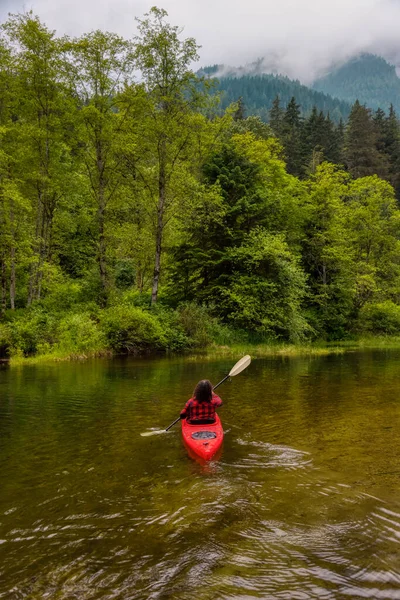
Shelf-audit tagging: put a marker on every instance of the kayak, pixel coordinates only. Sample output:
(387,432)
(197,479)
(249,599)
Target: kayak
(203,440)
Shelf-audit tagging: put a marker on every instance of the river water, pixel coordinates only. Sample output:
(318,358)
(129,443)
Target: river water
(304,501)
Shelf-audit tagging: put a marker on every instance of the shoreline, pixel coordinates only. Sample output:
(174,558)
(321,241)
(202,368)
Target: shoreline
(215,350)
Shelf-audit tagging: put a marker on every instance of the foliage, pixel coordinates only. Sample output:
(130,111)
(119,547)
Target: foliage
(141,215)
(268,288)
(130,329)
(381,318)
(201,328)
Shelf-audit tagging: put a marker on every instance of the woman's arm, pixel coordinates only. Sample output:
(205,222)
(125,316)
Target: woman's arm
(216,400)
(184,411)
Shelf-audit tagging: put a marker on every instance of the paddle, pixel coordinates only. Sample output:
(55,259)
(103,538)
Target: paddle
(236,369)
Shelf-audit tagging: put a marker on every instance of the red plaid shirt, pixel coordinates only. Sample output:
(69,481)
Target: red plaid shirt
(195,411)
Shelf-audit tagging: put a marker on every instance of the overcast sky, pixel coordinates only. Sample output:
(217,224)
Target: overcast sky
(298,37)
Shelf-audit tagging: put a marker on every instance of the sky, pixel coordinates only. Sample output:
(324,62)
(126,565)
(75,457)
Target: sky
(299,38)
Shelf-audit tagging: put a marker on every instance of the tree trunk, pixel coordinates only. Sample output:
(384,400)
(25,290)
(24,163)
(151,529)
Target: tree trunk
(157,262)
(102,248)
(37,251)
(3,287)
(160,222)
(12,280)
(12,265)
(101,214)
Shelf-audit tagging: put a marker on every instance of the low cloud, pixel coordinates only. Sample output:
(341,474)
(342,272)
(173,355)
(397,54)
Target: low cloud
(298,38)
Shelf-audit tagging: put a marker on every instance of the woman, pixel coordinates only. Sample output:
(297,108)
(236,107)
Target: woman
(200,410)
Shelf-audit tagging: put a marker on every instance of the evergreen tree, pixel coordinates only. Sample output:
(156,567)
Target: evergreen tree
(213,233)
(291,137)
(236,257)
(240,112)
(391,142)
(361,155)
(276,114)
(311,141)
(320,141)
(332,141)
(379,119)
(339,142)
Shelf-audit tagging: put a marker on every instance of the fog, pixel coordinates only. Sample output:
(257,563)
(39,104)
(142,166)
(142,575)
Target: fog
(300,38)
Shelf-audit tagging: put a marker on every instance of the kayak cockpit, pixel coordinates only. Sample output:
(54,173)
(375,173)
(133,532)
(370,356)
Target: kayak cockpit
(204,435)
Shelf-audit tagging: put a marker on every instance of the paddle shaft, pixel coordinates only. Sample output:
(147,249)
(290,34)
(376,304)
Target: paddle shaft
(176,420)
(214,388)
(222,381)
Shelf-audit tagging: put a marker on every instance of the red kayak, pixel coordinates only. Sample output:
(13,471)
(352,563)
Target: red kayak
(203,440)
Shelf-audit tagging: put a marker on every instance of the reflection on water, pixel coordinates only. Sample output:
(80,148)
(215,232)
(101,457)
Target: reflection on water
(302,503)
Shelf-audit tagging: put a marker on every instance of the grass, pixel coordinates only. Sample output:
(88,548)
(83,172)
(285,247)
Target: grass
(255,349)
(57,356)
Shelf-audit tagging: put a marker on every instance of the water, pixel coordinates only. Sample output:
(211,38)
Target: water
(303,503)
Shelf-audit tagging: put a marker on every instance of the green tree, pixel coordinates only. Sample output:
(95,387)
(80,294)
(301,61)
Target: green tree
(374,223)
(252,124)
(266,292)
(170,124)
(100,64)
(361,155)
(291,138)
(258,203)
(276,114)
(391,143)
(40,104)
(327,253)
(240,112)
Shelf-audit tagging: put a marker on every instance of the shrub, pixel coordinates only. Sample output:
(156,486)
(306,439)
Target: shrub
(202,328)
(383,317)
(5,340)
(78,333)
(30,329)
(129,329)
(196,323)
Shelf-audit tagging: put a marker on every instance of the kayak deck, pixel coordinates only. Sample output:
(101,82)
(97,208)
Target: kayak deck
(203,440)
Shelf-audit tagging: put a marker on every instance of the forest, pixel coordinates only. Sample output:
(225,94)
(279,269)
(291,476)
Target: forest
(136,215)
(367,77)
(259,90)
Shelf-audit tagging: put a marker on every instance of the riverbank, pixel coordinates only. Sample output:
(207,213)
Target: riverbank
(43,334)
(235,350)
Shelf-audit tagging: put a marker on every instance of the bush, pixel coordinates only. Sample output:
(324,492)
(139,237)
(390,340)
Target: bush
(30,329)
(78,333)
(124,274)
(383,317)
(5,340)
(203,329)
(129,329)
(196,323)
(63,296)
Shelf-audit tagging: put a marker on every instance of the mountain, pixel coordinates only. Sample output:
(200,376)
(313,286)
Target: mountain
(367,78)
(259,91)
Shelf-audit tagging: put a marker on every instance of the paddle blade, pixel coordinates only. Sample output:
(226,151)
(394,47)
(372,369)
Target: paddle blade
(149,433)
(242,364)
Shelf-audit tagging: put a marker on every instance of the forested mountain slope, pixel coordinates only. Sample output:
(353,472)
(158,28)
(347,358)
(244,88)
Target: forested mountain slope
(259,91)
(367,78)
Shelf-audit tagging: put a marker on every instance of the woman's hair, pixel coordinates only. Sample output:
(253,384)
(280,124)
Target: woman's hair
(203,391)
